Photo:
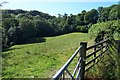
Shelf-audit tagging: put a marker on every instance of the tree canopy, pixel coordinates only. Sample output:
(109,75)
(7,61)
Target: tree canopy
(20,26)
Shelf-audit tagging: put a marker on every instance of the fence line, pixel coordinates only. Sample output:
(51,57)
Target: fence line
(82,65)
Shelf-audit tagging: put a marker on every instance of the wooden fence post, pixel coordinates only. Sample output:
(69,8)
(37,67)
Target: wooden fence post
(95,54)
(83,55)
(101,50)
(107,43)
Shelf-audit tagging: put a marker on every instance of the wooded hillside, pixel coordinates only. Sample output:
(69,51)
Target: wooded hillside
(20,26)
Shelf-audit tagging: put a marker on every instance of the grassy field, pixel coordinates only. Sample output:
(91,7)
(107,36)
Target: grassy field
(40,59)
(45,59)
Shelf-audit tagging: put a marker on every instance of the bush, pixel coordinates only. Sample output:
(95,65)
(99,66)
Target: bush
(82,29)
(111,29)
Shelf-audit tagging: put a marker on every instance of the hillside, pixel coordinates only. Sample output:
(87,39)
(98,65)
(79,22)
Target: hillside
(40,59)
(44,59)
(20,26)
(36,44)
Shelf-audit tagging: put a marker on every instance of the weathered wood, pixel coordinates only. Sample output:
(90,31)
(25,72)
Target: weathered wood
(95,58)
(65,66)
(95,62)
(83,58)
(63,75)
(97,44)
(95,54)
(80,70)
(60,72)
(70,74)
(77,66)
(91,66)
(118,46)
(78,74)
(101,51)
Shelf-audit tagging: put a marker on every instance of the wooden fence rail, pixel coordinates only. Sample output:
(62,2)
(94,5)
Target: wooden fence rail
(82,64)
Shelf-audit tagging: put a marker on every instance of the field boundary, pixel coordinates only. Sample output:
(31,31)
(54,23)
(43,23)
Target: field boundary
(83,65)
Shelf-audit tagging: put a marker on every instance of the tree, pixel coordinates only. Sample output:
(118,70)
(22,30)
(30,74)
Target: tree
(14,35)
(4,37)
(104,14)
(80,19)
(9,22)
(34,13)
(83,12)
(100,9)
(119,11)
(91,16)
(43,28)
(27,28)
(22,26)
(113,15)
(65,16)
(19,11)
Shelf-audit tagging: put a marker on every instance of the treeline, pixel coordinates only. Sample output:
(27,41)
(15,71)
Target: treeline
(20,26)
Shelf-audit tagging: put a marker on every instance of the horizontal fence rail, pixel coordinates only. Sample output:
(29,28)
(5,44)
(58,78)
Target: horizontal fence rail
(82,64)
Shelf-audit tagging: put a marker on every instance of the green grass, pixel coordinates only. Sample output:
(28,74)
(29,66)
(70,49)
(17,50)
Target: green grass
(44,59)
(40,59)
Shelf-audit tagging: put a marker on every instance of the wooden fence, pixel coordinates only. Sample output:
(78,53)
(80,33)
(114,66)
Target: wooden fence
(84,62)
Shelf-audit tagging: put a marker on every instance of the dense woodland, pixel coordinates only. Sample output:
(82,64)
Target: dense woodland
(20,26)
